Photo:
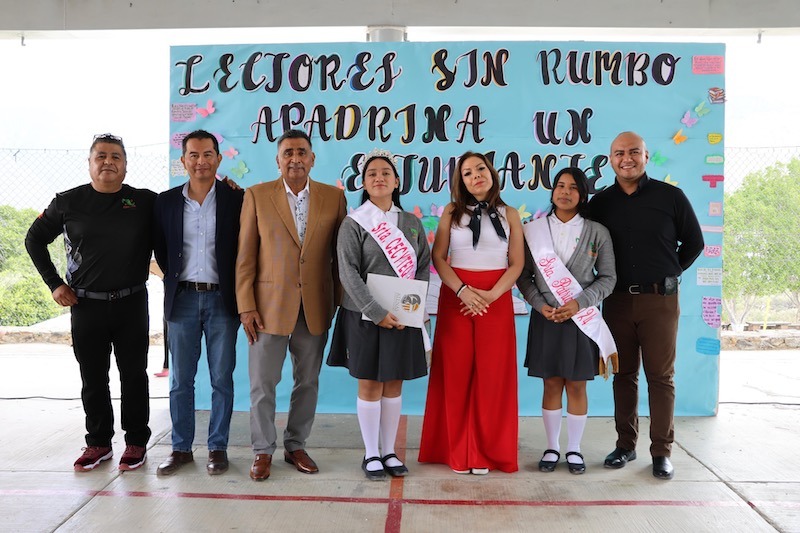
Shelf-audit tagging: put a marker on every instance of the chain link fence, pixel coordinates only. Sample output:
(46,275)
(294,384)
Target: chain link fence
(34,176)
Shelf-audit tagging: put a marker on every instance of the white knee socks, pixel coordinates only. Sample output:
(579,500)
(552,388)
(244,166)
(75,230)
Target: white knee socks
(575,426)
(369,420)
(552,428)
(390,420)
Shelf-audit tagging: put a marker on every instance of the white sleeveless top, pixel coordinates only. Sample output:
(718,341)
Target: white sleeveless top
(491,253)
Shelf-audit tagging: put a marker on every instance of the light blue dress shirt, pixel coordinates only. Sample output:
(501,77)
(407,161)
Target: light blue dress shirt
(199,238)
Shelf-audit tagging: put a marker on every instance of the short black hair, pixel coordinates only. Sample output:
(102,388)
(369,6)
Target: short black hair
(294,134)
(110,139)
(199,135)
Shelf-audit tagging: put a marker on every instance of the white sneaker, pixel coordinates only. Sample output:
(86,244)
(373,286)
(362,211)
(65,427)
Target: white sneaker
(460,471)
(479,471)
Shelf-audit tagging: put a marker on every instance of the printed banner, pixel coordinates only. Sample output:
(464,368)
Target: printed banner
(533,107)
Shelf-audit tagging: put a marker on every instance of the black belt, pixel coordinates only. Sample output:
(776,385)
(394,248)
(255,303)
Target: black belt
(665,288)
(110,295)
(198,286)
(642,288)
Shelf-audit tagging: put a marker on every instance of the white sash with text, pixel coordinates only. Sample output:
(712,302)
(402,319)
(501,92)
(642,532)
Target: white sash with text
(565,287)
(401,255)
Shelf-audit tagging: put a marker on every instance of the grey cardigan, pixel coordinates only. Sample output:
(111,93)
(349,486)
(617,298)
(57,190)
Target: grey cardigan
(359,254)
(594,253)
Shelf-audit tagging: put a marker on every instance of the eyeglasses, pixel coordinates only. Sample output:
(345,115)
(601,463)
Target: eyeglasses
(107,137)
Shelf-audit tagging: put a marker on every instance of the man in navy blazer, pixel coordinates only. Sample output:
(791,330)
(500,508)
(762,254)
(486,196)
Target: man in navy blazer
(196,235)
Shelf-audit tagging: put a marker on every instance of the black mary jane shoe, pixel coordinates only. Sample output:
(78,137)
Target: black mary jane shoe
(394,471)
(549,466)
(372,475)
(576,468)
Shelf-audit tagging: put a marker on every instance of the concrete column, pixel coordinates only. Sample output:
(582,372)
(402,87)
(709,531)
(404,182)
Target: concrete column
(379,34)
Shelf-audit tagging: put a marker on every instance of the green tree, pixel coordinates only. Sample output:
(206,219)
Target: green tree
(760,242)
(24,298)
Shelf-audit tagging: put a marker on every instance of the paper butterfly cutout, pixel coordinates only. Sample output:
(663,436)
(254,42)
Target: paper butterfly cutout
(687,119)
(240,170)
(668,179)
(702,109)
(231,152)
(679,137)
(523,212)
(205,111)
(339,184)
(658,159)
(417,212)
(436,210)
(431,236)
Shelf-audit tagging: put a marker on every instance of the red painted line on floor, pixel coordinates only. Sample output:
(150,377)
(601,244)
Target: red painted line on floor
(394,515)
(767,503)
(410,501)
(578,503)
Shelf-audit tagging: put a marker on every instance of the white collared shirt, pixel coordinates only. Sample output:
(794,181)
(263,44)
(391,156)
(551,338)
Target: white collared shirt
(292,197)
(565,235)
(391,215)
(199,238)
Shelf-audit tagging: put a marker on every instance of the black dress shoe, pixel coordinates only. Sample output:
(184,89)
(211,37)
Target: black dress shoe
(217,462)
(549,466)
(619,458)
(172,463)
(662,468)
(576,468)
(372,475)
(394,471)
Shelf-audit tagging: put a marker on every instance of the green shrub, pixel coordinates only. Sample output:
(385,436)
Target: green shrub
(25,300)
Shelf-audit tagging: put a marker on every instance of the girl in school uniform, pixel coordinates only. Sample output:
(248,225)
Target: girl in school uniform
(380,352)
(569,269)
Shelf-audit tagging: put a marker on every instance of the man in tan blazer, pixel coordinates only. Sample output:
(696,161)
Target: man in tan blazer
(287,290)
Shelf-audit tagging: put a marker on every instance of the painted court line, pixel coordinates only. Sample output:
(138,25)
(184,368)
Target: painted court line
(395,500)
(406,501)
(394,515)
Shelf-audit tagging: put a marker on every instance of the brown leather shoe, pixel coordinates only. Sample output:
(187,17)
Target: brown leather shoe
(260,469)
(301,460)
(217,462)
(174,462)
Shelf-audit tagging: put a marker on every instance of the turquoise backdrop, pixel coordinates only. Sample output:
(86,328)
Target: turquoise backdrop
(534,107)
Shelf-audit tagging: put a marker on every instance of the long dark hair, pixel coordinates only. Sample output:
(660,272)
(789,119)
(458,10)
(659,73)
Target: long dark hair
(461,197)
(395,192)
(583,189)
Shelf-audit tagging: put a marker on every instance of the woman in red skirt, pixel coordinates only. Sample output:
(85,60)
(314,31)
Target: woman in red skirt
(471,418)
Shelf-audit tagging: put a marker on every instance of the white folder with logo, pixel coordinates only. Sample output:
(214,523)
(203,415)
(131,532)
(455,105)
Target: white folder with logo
(404,298)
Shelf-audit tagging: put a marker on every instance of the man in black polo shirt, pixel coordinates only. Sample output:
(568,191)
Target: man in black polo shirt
(107,228)
(656,237)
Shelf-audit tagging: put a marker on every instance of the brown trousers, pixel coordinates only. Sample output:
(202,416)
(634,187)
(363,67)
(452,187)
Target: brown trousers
(645,328)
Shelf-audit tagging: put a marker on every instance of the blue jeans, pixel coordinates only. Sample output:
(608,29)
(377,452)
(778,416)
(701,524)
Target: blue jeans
(195,314)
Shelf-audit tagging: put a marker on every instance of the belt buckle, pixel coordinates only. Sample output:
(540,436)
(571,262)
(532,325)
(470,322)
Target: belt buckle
(113,295)
(637,288)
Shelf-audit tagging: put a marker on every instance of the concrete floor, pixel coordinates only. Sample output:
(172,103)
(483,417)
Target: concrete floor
(734,472)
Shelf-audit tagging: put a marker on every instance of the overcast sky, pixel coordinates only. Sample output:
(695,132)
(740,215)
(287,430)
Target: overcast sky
(57,92)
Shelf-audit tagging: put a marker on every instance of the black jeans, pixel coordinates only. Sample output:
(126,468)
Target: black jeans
(97,326)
